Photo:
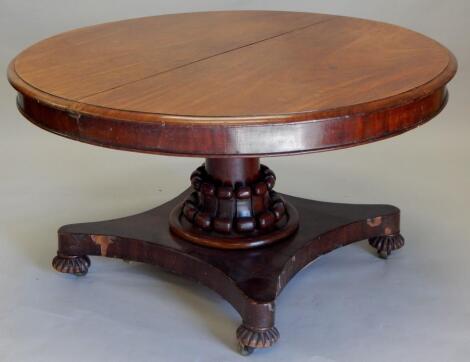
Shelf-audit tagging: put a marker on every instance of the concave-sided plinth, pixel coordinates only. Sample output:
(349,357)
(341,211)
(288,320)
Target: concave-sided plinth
(233,206)
(249,279)
(203,88)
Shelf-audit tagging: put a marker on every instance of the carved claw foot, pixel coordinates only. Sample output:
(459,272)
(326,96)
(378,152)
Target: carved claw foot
(77,265)
(249,338)
(385,244)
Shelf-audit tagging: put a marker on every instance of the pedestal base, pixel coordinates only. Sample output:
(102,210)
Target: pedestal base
(250,280)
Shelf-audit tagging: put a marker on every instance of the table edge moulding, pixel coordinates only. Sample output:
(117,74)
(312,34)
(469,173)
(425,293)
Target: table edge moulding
(232,87)
(236,135)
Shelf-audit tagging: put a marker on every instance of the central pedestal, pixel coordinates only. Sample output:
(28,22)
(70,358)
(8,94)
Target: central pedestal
(233,206)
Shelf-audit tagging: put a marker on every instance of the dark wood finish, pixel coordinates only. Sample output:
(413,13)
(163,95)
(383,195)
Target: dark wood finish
(239,83)
(77,265)
(250,280)
(233,206)
(231,87)
(233,171)
(385,244)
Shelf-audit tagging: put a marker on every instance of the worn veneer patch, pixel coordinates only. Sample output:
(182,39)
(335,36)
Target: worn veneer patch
(103,241)
(374,222)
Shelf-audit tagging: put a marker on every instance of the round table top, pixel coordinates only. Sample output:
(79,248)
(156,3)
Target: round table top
(236,83)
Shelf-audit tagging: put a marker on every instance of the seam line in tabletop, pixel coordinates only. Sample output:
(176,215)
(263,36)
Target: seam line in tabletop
(209,57)
(452,62)
(84,108)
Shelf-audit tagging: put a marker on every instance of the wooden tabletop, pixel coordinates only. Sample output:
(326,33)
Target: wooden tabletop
(233,83)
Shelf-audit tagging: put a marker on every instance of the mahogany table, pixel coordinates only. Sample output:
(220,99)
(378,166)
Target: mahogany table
(232,87)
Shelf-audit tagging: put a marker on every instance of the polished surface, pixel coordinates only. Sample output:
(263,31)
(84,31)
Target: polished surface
(49,317)
(196,84)
(216,64)
(257,275)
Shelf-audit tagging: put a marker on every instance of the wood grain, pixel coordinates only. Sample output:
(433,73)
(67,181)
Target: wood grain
(243,83)
(357,62)
(90,60)
(250,280)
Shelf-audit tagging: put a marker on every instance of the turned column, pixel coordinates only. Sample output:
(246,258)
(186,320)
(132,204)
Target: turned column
(233,171)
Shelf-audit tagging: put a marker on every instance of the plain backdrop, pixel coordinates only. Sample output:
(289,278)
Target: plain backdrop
(347,306)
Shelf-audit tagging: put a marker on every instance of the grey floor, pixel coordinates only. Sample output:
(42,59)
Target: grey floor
(347,306)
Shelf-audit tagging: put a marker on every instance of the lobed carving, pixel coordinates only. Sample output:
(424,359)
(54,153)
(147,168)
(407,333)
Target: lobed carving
(385,244)
(240,209)
(77,265)
(250,338)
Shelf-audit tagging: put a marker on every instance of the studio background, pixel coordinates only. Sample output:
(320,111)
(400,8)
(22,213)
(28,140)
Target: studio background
(347,306)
